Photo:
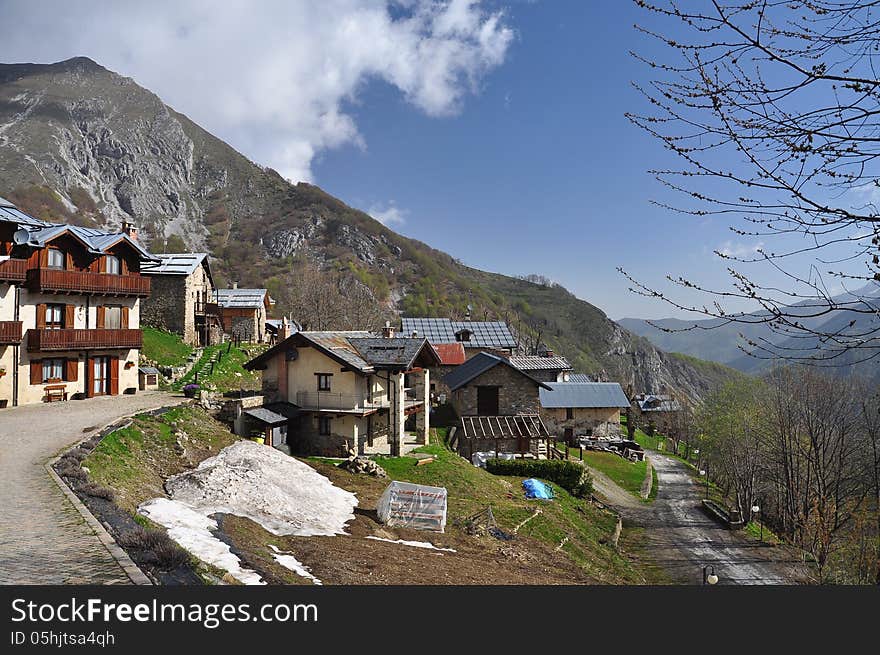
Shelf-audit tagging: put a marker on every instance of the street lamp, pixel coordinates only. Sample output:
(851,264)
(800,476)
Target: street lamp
(705,472)
(709,577)
(756,509)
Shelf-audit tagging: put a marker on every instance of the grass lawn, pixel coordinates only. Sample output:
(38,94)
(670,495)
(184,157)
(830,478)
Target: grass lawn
(626,474)
(229,373)
(135,461)
(164,348)
(471,489)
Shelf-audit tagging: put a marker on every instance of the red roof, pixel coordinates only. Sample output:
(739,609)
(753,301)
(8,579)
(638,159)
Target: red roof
(451,354)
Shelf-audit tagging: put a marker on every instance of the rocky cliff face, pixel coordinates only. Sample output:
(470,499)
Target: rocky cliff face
(105,150)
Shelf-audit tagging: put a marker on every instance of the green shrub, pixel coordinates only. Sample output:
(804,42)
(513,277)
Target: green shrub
(571,476)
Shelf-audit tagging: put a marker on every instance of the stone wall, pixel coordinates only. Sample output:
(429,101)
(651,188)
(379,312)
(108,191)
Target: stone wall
(166,307)
(584,421)
(517,394)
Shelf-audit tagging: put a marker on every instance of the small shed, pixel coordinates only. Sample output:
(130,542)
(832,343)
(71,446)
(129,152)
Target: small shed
(269,425)
(521,434)
(148,378)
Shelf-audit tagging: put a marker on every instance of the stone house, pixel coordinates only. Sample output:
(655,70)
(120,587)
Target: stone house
(656,412)
(489,385)
(348,392)
(576,409)
(498,407)
(70,300)
(183,299)
(244,312)
(546,367)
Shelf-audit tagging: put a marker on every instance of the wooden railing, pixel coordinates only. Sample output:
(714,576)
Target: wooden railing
(325,400)
(207,308)
(79,339)
(13,270)
(10,332)
(54,280)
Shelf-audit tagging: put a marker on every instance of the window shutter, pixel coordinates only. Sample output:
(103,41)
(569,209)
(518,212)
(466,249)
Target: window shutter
(123,266)
(71,367)
(44,257)
(99,321)
(123,320)
(68,261)
(41,317)
(114,376)
(36,371)
(90,377)
(68,316)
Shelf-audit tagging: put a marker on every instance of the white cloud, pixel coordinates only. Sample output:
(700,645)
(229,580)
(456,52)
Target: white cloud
(272,78)
(389,215)
(731,249)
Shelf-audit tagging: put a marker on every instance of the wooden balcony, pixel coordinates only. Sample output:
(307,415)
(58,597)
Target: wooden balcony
(79,339)
(13,270)
(10,333)
(50,280)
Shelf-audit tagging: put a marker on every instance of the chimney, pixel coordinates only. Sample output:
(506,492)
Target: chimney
(130,230)
(415,334)
(387,331)
(284,330)
(235,285)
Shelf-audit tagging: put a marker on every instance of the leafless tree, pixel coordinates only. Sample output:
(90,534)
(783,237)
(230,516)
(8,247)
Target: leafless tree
(771,107)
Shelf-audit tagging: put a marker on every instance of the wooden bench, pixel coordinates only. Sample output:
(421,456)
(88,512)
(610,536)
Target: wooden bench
(55,392)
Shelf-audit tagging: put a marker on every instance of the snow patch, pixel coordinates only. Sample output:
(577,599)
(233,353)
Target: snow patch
(286,559)
(415,544)
(284,495)
(192,530)
(281,493)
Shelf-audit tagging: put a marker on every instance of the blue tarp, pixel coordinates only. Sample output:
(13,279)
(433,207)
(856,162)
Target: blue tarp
(537,489)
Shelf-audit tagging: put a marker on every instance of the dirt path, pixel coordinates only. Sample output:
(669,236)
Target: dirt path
(43,538)
(681,539)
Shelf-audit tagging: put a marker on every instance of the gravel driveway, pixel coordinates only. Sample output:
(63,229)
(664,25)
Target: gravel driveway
(43,538)
(681,538)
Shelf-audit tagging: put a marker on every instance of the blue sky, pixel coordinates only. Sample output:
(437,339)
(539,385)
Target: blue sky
(541,172)
(494,131)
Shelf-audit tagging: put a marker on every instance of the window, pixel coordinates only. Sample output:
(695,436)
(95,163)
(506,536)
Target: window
(53,369)
(111,264)
(54,317)
(324,382)
(569,412)
(324,425)
(112,317)
(55,258)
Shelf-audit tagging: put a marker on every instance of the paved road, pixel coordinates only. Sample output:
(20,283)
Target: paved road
(682,539)
(43,538)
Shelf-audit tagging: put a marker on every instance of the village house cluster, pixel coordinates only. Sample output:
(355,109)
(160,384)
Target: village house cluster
(73,299)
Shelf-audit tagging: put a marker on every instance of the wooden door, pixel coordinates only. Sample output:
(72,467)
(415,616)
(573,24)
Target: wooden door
(487,401)
(99,382)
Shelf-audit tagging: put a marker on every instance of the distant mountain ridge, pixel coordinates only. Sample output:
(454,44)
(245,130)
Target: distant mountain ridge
(83,144)
(717,340)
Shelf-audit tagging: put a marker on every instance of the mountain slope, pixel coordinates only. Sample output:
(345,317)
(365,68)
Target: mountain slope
(81,143)
(718,341)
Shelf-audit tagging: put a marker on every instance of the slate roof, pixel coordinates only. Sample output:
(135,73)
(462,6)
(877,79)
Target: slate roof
(42,232)
(362,351)
(579,377)
(539,363)
(663,403)
(287,410)
(392,353)
(485,334)
(148,370)
(451,354)
(241,298)
(266,416)
(583,394)
(476,366)
(182,263)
